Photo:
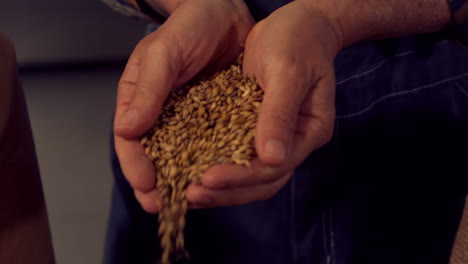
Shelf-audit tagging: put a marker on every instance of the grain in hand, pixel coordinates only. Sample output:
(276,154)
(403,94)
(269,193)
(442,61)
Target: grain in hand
(201,125)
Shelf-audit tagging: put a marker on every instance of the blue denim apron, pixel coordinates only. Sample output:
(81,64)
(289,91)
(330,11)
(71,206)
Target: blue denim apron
(388,188)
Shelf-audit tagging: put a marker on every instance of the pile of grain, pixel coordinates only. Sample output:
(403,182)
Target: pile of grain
(211,122)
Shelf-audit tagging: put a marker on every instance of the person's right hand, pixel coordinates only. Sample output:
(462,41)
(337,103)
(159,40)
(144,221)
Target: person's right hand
(199,35)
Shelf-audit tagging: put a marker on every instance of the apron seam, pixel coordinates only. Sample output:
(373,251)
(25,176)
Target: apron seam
(401,93)
(381,63)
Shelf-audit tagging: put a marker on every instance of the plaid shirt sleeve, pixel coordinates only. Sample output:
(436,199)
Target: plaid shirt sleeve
(137,9)
(460,20)
(124,7)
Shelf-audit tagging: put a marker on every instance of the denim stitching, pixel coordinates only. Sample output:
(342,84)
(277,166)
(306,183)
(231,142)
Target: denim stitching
(388,96)
(324,234)
(378,65)
(375,67)
(332,234)
(462,90)
(293,219)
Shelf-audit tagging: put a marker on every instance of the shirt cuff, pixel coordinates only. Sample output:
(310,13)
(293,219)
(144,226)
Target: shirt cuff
(138,9)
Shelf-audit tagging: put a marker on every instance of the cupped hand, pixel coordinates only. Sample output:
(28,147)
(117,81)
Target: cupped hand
(291,54)
(198,35)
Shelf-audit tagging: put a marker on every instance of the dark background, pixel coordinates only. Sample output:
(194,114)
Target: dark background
(71,55)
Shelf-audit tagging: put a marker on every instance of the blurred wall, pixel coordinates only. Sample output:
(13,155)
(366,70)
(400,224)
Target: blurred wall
(67,31)
(72,126)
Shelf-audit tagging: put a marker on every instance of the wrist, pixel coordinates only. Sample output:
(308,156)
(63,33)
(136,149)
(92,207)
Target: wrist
(317,21)
(359,20)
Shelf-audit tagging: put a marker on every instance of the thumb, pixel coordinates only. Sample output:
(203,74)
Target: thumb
(147,80)
(277,117)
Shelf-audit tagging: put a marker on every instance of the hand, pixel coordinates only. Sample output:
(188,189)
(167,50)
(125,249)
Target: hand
(291,53)
(200,34)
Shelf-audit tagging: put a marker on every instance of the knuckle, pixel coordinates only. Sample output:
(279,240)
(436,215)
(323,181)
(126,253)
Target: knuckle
(157,48)
(282,118)
(142,90)
(146,92)
(125,90)
(281,64)
(327,127)
(125,84)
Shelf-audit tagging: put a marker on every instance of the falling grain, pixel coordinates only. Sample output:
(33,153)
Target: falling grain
(201,125)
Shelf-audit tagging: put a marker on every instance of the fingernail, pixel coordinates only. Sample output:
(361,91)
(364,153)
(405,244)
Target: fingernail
(275,149)
(127,119)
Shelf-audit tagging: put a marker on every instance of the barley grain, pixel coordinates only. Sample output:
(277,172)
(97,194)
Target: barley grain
(210,122)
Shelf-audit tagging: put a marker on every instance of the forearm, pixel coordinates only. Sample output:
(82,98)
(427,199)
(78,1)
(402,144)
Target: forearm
(360,20)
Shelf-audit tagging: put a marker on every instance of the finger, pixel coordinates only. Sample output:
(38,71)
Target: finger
(316,123)
(149,201)
(201,197)
(157,70)
(126,88)
(284,93)
(234,176)
(316,118)
(136,167)
(128,79)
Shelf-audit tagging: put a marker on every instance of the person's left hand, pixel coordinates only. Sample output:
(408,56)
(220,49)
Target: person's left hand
(199,36)
(291,54)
